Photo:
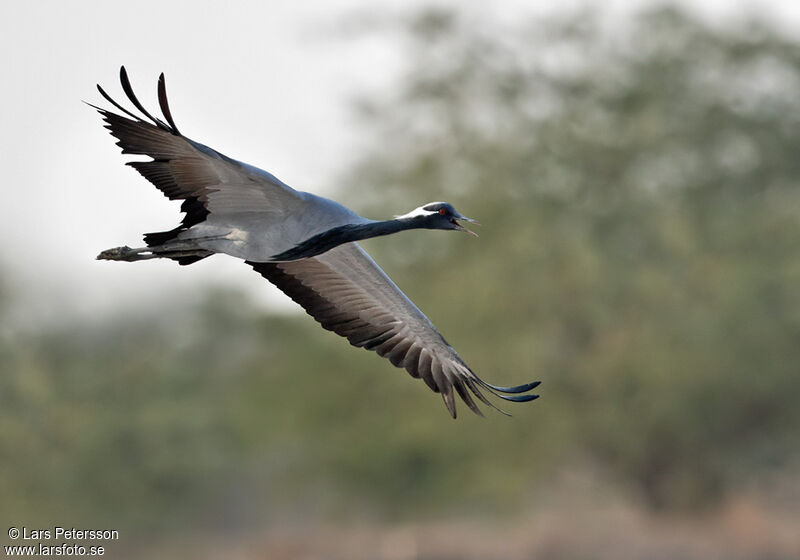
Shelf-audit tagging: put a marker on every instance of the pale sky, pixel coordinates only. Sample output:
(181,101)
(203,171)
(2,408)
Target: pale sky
(268,83)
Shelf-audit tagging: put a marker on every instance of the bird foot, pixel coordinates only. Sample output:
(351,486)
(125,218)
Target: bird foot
(123,253)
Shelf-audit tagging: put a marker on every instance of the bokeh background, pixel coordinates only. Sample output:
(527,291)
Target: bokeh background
(636,172)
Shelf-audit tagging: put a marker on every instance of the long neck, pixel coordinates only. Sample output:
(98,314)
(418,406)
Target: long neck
(344,234)
(386,227)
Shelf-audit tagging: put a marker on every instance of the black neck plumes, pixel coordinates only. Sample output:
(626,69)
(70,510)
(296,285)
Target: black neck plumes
(344,234)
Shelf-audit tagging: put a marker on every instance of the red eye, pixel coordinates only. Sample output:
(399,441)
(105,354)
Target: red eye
(442,211)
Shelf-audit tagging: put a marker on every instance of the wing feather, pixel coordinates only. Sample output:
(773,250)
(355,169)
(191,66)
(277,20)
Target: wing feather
(347,293)
(184,169)
(164,104)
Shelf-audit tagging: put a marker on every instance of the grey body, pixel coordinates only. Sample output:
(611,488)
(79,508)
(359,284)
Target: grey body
(301,242)
(255,224)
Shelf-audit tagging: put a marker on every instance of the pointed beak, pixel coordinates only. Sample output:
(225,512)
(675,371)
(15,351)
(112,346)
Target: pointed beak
(459,227)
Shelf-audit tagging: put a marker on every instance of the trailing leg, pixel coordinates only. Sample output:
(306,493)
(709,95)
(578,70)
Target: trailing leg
(125,253)
(182,253)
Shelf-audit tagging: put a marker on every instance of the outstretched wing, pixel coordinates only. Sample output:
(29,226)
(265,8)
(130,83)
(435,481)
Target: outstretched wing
(206,180)
(347,293)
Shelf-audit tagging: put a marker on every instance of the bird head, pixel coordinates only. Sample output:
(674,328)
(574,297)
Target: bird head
(439,215)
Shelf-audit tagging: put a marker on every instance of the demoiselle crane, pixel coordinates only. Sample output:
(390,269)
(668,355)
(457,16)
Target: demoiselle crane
(302,243)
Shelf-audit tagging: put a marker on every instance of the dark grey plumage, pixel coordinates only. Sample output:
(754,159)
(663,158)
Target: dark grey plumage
(302,243)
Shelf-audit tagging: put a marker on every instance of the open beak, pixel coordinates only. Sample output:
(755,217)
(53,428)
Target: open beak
(459,227)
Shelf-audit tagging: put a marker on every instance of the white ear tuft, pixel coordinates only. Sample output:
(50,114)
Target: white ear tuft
(415,213)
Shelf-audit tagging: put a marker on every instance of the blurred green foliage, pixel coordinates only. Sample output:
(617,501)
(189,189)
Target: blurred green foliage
(640,253)
(641,240)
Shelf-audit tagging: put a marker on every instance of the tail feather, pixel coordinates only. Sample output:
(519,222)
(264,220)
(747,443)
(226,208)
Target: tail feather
(161,237)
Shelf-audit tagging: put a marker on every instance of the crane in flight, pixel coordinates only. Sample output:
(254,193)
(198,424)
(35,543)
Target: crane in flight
(303,243)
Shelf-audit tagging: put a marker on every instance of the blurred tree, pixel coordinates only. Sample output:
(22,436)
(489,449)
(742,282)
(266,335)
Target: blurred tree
(641,249)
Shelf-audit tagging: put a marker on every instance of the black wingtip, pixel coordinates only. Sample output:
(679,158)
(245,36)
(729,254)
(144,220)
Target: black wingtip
(92,105)
(164,104)
(115,104)
(524,388)
(519,398)
(514,393)
(128,89)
